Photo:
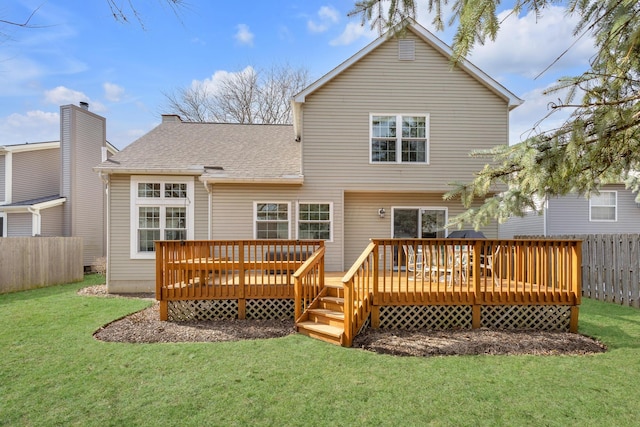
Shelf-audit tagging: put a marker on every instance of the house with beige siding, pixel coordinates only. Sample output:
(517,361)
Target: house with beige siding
(374,145)
(612,211)
(50,189)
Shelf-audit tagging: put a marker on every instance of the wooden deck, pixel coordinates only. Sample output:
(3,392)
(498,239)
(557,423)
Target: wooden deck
(441,272)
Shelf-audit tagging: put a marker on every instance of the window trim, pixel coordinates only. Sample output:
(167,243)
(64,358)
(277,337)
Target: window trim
(305,202)
(136,202)
(3,228)
(255,217)
(398,137)
(615,207)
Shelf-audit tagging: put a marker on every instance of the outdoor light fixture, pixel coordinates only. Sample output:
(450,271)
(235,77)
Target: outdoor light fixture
(381,212)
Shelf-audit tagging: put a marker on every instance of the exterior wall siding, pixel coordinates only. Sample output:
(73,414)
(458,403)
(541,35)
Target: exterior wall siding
(233,217)
(464,115)
(83,136)
(138,275)
(363,223)
(35,174)
(570,215)
(2,177)
(51,222)
(531,224)
(19,224)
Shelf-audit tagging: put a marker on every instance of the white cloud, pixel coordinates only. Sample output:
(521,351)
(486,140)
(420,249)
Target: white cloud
(63,95)
(353,32)
(327,16)
(34,126)
(113,92)
(212,83)
(244,35)
(526,45)
(531,117)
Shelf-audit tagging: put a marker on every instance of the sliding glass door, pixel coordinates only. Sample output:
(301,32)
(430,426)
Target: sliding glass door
(419,222)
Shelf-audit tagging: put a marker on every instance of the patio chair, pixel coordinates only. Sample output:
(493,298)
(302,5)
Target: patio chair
(440,263)
(414,261)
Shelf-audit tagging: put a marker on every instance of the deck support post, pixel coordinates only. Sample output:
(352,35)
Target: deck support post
(164,310)
(242,308)
(573,324)
(375,316)
(476,320)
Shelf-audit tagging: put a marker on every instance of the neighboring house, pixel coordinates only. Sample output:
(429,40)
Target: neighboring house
(374,146)
(612,211)
(50,189)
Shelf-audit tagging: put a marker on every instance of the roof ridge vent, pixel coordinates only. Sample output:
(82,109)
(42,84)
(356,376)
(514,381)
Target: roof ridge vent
(406,49)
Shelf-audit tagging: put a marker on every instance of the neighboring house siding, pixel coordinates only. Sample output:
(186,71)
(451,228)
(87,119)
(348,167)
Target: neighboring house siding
(19,224)
(570,215)
(66,162)
(82,138)
(35,174)
(363,223)
(51,221)
(531,224)
(2,177)
(133,275)
(464,115)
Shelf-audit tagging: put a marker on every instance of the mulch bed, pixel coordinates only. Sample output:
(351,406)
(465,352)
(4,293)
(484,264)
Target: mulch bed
(145,327)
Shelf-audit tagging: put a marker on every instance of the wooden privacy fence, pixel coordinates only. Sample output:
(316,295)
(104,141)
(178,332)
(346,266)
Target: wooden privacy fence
(610,266)
(34,262)
(237,270)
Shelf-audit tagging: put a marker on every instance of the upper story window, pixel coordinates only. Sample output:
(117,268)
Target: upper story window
(271,220)
(160,210)
(604,206)
(314,221)
(399,138)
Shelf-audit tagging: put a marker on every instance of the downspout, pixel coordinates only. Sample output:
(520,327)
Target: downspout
(36,221)
(544,216)
(209,210)
(105,180)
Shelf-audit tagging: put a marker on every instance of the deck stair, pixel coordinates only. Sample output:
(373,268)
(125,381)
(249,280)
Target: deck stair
(324,319)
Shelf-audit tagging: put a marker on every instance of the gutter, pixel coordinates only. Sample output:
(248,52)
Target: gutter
(297,180)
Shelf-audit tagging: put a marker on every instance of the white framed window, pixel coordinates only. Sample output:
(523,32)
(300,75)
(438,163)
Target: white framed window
(271,220)
(399,138)
(315,221)
(604,206)
(3,224)
(161,209)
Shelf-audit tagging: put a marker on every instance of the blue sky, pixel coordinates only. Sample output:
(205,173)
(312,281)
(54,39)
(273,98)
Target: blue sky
(78,52)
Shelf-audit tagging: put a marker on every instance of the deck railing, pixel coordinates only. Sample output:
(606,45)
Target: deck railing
(228,269)
(308,282)
(473,272)
(359,288)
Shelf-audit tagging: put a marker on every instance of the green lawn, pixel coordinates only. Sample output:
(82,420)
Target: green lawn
(52,372)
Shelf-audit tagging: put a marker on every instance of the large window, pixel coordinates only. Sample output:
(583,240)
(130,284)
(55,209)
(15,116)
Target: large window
(603,207)
(160,210)
(399,138)
(271,220)
(314,221)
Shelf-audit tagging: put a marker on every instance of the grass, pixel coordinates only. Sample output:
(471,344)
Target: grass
(52,372)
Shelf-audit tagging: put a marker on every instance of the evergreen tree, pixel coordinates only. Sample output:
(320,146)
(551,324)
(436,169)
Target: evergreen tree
(598,144)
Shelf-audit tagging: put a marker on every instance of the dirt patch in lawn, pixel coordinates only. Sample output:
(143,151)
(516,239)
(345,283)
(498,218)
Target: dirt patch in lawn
(145,327)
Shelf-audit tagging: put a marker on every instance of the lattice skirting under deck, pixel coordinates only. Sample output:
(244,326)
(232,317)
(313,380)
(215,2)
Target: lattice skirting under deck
(263,309)
(540,317)
(426,317)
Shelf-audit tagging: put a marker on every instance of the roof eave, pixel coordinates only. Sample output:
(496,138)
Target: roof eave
(146,171)
(294,180)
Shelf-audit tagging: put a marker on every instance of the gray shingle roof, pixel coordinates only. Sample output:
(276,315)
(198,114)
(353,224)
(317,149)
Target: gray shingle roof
(244,152)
